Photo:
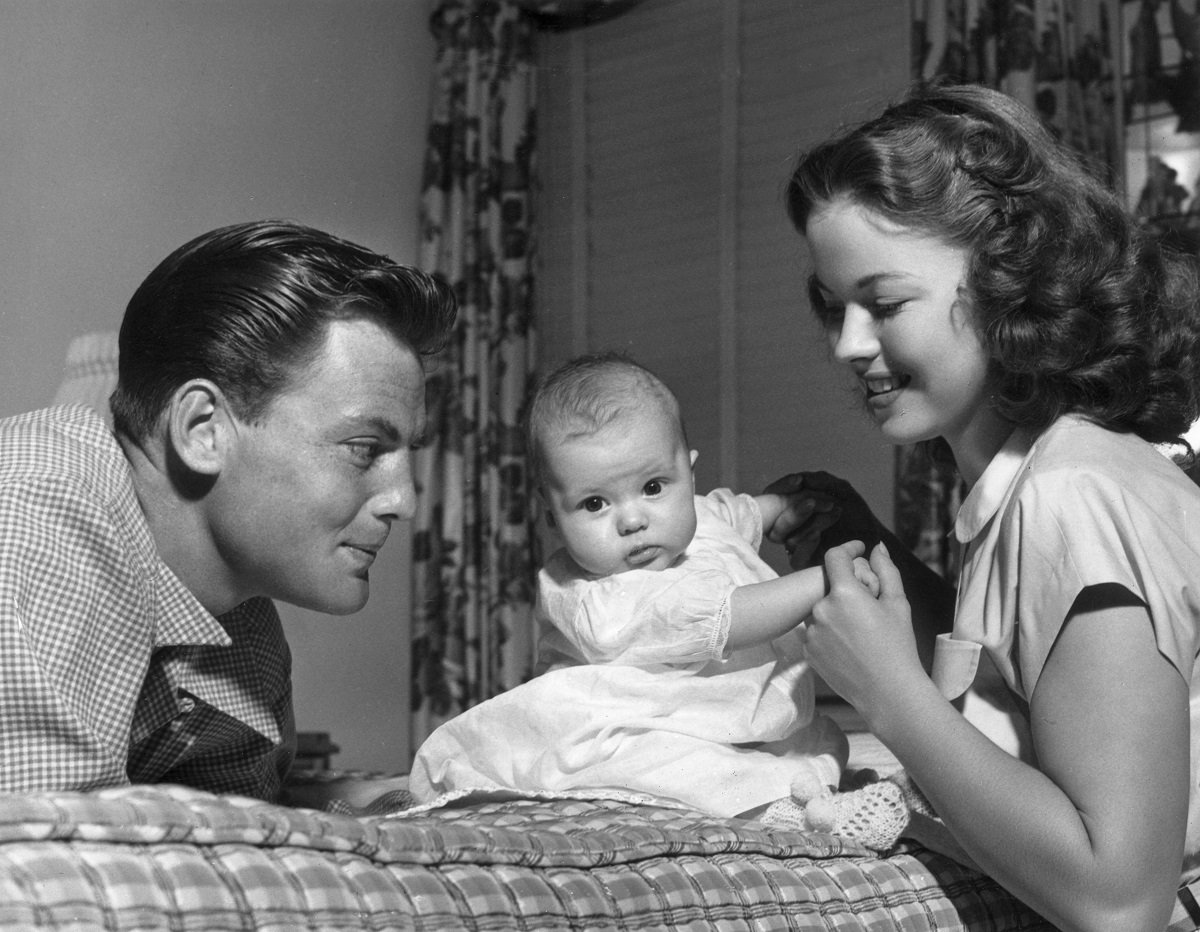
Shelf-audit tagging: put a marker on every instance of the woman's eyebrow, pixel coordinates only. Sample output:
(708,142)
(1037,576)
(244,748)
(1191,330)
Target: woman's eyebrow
(815,283)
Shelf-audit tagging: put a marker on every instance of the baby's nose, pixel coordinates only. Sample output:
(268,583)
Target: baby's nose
(632,519)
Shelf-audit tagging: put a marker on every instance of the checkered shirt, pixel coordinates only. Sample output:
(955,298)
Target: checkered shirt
(110,671)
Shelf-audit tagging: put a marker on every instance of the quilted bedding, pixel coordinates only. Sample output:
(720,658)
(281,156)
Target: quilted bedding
(169,858)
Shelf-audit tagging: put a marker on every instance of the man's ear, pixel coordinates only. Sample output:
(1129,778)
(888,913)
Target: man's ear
(199,427)
(693,455)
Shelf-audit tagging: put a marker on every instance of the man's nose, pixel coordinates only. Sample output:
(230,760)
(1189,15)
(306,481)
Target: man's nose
(396,497)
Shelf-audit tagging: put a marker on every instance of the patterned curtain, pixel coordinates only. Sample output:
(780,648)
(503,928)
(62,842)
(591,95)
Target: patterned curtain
(472,545)
(1054,56)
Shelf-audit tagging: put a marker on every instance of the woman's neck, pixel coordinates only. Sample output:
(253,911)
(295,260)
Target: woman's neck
(978,445)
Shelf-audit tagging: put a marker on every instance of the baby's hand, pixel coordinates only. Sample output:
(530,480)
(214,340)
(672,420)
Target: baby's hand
(865,575)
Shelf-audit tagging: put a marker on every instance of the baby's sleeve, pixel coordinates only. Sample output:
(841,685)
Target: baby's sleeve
(644,618)
(738,510)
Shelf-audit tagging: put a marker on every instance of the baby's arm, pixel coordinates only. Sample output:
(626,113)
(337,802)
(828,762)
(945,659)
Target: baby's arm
(770,506)
(761,612)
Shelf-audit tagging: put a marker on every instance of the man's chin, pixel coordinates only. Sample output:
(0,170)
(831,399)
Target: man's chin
(344,603)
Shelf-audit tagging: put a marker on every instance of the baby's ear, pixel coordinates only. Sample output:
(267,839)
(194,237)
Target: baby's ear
(543,506)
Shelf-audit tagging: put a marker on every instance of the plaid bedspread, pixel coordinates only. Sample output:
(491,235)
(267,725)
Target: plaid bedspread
(169,858)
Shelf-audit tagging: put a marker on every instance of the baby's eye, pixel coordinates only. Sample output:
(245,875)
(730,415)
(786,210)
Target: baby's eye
(653,487)
(595,503)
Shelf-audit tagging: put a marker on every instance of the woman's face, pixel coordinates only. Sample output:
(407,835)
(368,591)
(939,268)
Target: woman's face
(895,313)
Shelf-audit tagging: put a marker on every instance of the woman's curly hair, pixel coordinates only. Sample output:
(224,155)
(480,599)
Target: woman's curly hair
(1082,310)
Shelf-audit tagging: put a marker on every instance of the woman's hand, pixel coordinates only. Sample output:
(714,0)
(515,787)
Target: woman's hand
(863,646)
(822,511)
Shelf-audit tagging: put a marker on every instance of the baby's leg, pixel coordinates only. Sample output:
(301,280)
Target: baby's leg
(873,815)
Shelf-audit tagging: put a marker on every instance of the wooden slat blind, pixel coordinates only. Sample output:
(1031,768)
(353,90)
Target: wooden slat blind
(662,228)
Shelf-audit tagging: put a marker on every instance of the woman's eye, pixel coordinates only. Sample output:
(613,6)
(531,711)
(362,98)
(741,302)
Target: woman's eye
(593,504)
(653,487)
(886,308)
(828,314)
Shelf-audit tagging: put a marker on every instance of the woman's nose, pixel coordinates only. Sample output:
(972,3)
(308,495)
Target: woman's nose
(857,337)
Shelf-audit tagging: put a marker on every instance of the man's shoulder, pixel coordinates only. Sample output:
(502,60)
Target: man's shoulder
(62,444)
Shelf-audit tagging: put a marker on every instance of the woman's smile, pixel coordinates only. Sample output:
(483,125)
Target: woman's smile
(883,388)
(895,311)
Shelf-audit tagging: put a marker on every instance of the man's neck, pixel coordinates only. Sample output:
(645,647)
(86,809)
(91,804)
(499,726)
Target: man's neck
(175,516)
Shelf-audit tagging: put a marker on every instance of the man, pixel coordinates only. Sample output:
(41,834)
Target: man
(270,389)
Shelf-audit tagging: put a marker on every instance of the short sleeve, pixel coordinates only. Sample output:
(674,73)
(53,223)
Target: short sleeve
(739,511)
(643,617)
(1084,528)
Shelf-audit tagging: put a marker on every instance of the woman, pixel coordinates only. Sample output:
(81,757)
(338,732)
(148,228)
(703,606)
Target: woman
(993,299)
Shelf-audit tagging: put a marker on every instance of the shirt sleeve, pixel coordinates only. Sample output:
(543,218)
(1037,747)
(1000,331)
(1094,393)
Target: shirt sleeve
(73,643)
(738,510)
(1083,529)
(643,617)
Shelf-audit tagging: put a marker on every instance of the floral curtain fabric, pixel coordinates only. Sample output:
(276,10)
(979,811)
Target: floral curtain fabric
(472,544)
(1054,56)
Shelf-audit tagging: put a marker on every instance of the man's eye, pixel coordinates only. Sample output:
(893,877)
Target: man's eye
(595,503)
(653,487)
(362,451)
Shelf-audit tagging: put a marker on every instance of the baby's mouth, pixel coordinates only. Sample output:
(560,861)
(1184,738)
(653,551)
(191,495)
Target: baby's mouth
(643,555)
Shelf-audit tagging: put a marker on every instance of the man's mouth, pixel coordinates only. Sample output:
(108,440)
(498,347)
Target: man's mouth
(367,552)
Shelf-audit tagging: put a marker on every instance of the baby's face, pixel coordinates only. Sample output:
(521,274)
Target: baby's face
(622,499)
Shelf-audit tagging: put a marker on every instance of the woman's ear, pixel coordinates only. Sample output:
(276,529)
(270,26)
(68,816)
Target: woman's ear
(199,427)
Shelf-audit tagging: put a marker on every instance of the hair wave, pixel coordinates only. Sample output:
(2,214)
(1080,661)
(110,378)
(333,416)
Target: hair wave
(1082,310)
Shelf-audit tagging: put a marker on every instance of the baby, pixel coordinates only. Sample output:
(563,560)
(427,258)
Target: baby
(673,654)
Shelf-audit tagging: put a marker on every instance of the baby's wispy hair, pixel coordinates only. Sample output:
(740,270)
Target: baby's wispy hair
(589,393)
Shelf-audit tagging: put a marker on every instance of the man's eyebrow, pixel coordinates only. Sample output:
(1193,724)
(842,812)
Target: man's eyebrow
(382,426)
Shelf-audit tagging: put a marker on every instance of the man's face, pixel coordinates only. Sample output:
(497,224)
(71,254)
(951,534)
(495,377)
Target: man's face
(306,497)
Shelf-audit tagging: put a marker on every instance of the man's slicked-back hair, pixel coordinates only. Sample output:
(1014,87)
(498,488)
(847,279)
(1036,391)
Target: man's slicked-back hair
(587,394)
(247,306)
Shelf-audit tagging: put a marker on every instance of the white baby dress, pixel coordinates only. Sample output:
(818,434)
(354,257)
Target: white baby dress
(641,696)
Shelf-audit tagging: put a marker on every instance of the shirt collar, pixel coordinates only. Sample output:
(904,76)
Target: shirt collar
(180,618)
(243,680)
(988,494)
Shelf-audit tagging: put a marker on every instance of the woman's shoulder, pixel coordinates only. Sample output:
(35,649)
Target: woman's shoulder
(1083,486)
(1075,450)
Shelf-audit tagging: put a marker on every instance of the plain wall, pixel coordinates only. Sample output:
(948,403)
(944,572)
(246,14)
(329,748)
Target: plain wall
(130,126)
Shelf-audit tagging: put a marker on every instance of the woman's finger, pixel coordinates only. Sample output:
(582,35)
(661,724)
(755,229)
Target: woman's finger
(891,583)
